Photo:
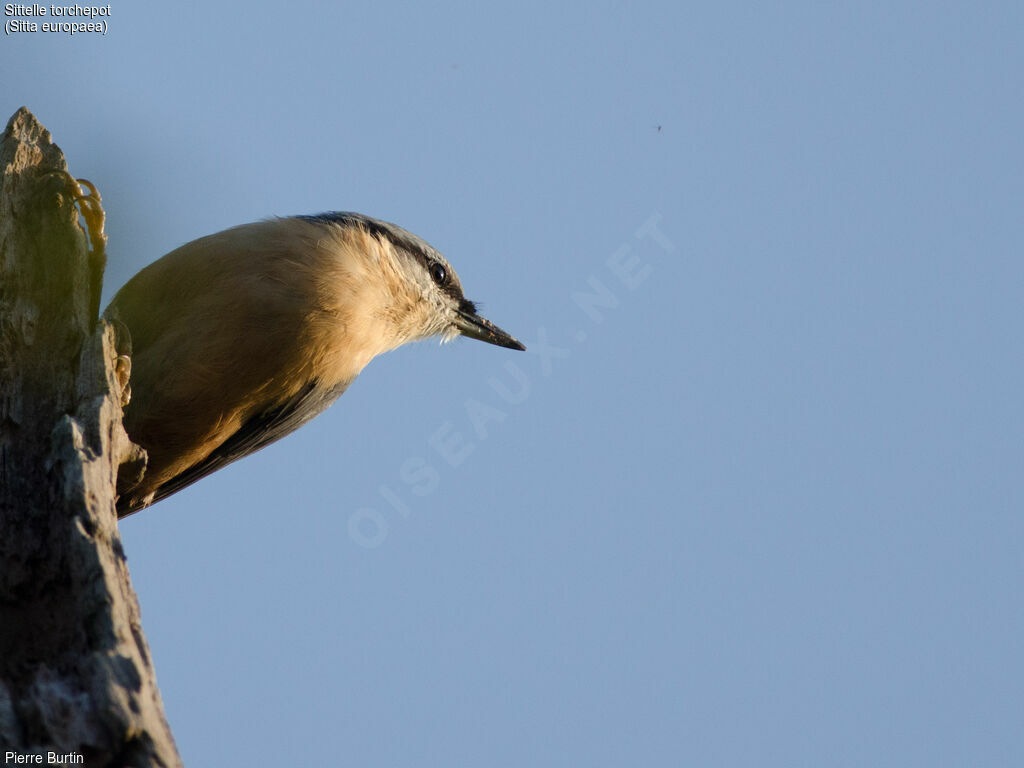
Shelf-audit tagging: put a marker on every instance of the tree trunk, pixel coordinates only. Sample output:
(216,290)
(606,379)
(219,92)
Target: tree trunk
(76,678)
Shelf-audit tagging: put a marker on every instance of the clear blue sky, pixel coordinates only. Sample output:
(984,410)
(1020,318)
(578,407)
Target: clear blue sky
(756,501)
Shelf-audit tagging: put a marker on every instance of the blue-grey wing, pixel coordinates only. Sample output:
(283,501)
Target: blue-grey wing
(256,433)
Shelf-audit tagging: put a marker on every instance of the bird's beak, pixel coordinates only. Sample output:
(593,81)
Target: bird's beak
(472,325)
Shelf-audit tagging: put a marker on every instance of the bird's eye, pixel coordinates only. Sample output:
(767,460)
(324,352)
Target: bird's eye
(439,274)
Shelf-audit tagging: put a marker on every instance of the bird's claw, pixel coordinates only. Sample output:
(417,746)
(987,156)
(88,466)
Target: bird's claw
(91,208)
(123,371)
(123,361)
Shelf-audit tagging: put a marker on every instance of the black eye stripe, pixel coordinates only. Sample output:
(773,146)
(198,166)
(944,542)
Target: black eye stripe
(443,276)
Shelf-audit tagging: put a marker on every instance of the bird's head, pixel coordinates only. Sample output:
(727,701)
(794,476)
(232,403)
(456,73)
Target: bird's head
(422,293)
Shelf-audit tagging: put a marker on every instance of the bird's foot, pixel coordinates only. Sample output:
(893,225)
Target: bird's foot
(123,371)
(123,360)
(91,207)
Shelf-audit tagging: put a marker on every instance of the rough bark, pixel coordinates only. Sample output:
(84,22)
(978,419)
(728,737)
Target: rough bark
(75,671)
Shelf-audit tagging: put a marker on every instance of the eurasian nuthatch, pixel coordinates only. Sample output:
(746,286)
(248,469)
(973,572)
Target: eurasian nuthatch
(241,337)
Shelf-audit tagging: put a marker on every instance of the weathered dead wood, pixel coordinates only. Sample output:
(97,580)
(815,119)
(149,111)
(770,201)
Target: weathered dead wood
(75,671)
